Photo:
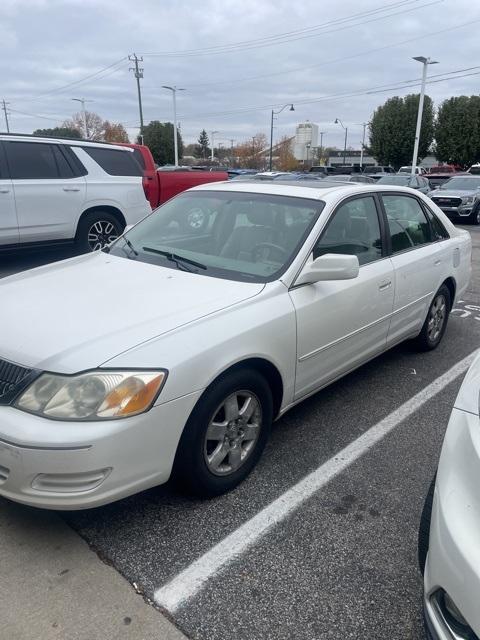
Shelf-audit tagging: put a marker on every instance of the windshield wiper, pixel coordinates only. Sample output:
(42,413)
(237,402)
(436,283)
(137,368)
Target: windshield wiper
(180,261)
(130,246)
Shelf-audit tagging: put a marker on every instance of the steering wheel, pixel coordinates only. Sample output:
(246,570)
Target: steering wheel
(262,251)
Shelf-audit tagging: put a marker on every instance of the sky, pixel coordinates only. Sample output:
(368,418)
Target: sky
(236,61)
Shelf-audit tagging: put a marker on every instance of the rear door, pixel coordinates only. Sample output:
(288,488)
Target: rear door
(8,214)
(417,259)
(48,193)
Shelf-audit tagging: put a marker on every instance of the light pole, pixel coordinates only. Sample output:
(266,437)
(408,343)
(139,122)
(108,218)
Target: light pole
(84,113)
(320,152)
(175,141)
(425,62)
(364,125)
(307,149)
(275,113)
(212,133)
(338,121)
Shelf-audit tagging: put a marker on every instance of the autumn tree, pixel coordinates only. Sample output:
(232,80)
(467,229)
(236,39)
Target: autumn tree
(250,154)
(392,130)
(95,125)
(114,132)
(457,130)
(283,155)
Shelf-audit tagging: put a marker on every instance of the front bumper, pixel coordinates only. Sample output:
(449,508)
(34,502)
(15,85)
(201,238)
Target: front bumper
(76,465)
(453,563)
(463,211)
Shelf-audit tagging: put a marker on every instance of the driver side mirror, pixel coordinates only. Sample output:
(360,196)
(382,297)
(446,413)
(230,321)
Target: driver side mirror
(331,266)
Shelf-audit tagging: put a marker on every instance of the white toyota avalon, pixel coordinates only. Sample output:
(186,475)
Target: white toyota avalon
(450,524)
(174,349)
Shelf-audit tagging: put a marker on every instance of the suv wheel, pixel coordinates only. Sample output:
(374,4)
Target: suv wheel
(96,230)
(225,434)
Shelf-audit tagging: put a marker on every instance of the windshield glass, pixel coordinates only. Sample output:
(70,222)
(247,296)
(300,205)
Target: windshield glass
(400,180)
(463,184)
(238,236)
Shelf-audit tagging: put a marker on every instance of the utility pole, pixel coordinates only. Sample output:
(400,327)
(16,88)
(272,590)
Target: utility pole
(212,133)
(4,107)
(425,62)
(275,113)
(84,113)
(320,153)
(364,124)
(175,140)
(138,73)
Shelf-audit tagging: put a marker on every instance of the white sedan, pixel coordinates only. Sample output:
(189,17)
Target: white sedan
(450,526)
(174,349)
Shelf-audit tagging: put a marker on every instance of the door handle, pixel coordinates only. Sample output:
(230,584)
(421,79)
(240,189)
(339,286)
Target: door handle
(71,189)
(385,285)
(4,190)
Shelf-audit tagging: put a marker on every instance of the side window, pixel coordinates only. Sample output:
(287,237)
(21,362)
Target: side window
(354,230)
(114,161)
(64,169)
(438,230)
(407,222)
(31,160)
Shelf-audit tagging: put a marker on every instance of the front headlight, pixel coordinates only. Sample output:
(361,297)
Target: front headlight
(468,200)
(95,395)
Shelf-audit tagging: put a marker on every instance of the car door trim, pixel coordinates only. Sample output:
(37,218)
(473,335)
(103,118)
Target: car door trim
(319,350)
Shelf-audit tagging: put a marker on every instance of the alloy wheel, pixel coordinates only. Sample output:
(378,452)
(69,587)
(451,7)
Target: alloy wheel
(232,433)
(436,318)
(101,233)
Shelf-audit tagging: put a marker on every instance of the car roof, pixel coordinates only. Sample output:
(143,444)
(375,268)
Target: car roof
(73,142)
(321,190)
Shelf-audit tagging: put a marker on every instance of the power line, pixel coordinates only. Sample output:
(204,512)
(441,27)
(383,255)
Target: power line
(295,36)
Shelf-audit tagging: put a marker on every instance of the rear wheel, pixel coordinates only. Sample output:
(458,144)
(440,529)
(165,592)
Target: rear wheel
(225,435)
(436,320)
(97,229)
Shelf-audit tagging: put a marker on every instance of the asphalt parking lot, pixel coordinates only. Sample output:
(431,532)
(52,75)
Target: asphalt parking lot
(342,563)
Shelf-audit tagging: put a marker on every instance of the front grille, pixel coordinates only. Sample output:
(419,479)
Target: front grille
(13,378)
(447,202)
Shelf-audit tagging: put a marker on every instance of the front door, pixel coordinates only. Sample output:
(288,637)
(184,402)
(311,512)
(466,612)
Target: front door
(8,214)
(48,196)
(341,324)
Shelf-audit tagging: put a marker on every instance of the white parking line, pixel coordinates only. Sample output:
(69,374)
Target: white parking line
(189,581)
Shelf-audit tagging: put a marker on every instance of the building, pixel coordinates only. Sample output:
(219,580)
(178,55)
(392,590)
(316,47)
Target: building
(306,140)
(335,158)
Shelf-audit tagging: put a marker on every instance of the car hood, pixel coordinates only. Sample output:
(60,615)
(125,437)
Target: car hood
(77,314)
(453,193)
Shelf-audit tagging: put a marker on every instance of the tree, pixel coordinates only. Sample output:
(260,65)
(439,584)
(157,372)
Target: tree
(250,154)
(95,125)
(203,143)
(392,130)
(114,132)
(159,137)
(284,158)
(457,130)
(58,132)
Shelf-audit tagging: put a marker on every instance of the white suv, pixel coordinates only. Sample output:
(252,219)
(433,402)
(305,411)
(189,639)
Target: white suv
(56,190)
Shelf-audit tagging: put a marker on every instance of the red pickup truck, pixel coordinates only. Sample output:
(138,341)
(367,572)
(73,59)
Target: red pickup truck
(160,186)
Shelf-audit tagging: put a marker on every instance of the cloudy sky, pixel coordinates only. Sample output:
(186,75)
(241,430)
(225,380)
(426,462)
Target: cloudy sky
(235,59)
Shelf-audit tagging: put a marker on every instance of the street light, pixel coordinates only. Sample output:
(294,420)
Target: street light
(175,141)
(275,113)
(84,113)
(364,125)
(307,148)
(212,133)
(425,62)
(320,152)
(338,121)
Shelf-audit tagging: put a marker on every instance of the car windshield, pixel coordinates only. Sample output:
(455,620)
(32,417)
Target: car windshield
(374,170)
(400,180)
(224,234)
(462,184)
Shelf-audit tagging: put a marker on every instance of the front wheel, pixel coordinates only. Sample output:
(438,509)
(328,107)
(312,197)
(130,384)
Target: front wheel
(436,320)
(97,229)
(225,434)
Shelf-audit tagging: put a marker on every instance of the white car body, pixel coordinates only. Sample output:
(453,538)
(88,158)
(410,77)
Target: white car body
(196,327)
(453,561)
(408,169)
(48,210)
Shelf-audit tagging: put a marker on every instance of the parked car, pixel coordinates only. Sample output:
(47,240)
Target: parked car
(162,184)
(418,170)
(322,170)
(444,168)
(474,169)
(450,524)
(459,198)
(378,171)
(55,190)
(207,335)
(439,178)
(419,183)
(354,177)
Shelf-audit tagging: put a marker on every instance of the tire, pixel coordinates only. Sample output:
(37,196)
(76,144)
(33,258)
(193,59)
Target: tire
(208,467)
(102,224)
(436,321)
(424,528)
(475,216)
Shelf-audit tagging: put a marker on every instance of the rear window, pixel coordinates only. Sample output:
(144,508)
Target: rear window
(139,158)
(114,161)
